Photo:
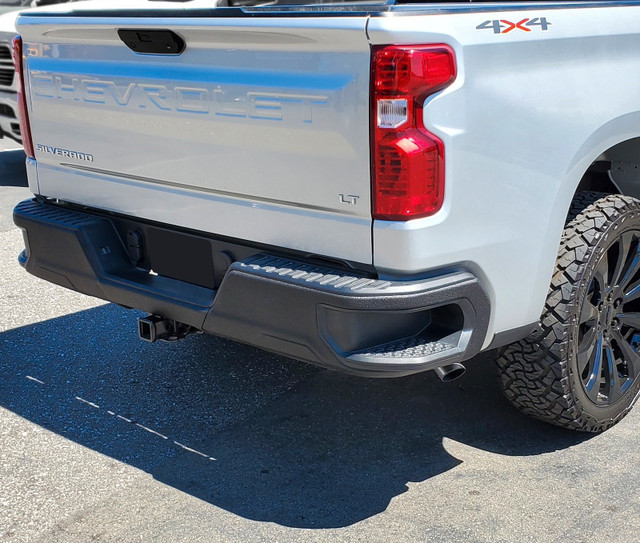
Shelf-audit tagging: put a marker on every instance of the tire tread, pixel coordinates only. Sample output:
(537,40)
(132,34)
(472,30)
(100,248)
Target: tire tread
(534,372)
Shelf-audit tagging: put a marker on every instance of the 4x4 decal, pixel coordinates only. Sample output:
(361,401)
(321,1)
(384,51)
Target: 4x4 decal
(502,26)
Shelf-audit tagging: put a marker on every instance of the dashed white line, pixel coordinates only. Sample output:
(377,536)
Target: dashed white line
(87,402)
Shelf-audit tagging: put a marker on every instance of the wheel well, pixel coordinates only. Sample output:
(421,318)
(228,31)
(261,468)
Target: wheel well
(616,171)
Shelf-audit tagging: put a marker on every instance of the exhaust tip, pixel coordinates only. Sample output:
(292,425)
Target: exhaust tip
(451,372)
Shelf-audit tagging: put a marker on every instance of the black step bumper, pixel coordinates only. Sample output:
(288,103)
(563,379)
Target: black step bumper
(332,318)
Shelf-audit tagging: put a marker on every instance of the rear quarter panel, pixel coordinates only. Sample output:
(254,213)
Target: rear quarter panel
(526,116)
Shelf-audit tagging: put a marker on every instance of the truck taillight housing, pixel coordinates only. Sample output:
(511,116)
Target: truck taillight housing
(23,114)
(407,160)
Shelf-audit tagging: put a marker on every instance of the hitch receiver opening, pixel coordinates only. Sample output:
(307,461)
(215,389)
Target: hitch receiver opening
(155,327)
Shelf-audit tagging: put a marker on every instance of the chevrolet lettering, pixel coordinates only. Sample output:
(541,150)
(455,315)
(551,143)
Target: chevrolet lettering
(182,99)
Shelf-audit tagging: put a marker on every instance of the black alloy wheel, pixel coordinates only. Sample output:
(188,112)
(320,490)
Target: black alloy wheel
(579,369)
(609,325)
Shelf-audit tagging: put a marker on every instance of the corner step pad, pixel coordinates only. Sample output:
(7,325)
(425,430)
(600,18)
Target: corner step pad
(409,350)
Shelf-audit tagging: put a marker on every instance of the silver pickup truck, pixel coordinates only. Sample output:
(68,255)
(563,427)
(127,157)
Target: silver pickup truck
(380,188)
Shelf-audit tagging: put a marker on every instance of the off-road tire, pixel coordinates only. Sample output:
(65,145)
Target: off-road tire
(591,310)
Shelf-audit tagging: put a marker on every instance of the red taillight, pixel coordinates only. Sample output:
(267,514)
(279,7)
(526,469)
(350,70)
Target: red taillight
(23,114)
(407,160)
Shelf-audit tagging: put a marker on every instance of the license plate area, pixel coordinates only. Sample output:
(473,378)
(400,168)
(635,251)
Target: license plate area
(180,256)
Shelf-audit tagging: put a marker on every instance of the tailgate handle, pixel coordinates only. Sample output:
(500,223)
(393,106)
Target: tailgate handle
(152,42)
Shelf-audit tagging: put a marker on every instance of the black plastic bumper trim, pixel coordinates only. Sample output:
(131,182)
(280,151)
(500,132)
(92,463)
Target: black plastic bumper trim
(84,253)
(362,326)
(328,317)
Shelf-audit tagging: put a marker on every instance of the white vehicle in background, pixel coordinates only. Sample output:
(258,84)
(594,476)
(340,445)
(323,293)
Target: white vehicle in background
(9,124)
(9,11)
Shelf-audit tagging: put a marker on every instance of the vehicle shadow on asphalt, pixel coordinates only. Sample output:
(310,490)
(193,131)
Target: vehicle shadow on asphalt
(261,436)
(13,171)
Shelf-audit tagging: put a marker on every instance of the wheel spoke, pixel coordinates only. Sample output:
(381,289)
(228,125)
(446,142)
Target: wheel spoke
(601,273)
(592,385)
(588,341)
(631,357)
(585,351)
(632,292)
(631,319)
(621,275)
(615,382)
(589,312)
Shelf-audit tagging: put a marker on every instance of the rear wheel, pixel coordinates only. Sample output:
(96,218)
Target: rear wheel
(580,368)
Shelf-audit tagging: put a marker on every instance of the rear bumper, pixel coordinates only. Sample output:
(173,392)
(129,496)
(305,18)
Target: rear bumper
(331,318)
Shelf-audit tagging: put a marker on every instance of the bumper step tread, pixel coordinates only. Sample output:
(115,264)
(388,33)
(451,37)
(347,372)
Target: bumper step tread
(50,214)
(313,275)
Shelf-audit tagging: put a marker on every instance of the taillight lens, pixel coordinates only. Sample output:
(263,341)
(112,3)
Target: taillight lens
(407,160)
(23,114)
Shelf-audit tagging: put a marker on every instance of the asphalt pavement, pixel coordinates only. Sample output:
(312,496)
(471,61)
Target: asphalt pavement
(107,438)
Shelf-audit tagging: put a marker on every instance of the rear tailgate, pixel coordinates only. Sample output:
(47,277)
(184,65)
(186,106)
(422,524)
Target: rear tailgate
(257,131)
